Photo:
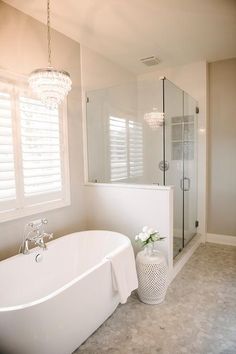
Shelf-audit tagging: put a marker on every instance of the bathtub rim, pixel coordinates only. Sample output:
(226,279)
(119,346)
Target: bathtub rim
(58,291)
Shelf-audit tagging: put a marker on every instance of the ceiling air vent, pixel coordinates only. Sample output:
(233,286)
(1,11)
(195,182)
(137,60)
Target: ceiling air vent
(150,61)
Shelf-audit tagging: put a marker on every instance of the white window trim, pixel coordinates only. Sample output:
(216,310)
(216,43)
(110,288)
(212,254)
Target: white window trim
(27,210)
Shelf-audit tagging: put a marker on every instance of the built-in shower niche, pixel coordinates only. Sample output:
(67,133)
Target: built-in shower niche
(182,138)
(127,144)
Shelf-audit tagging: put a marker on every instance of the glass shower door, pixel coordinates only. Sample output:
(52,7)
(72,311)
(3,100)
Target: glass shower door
(173,156)
(189,182)
(180,155)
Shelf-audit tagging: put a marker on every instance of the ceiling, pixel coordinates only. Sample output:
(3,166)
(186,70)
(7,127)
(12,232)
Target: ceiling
(176,31)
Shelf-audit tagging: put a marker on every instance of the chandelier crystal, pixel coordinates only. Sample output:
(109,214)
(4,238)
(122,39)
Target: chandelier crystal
(154,119)
(49,84)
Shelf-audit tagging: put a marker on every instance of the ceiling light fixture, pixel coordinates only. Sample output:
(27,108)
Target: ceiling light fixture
(49,84)
(154,119)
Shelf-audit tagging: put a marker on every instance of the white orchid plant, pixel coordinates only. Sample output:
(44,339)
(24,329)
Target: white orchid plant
(148,236)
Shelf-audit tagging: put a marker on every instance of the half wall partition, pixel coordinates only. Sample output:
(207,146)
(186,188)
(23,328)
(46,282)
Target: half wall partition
(129,140)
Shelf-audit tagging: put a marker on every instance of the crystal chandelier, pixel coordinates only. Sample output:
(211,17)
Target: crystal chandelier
(154,119)
(49,84)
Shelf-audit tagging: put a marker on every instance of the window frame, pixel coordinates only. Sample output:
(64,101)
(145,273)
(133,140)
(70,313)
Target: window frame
(17,86)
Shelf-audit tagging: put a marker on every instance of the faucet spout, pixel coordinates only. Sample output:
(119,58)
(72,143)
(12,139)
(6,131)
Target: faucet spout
(25,247)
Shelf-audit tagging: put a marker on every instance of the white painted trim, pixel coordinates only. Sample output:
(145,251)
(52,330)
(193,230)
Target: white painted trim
(84,120)
(65,160)
(171,227)
(184,256)
(85,136)
(12,78)
(221,239)
(29,210)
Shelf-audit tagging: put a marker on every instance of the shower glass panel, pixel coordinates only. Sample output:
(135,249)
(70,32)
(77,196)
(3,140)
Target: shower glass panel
(174,156)
(111,121)
(181,158)
(123,145)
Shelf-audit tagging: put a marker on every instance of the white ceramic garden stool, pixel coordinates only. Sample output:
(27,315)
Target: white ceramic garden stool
(152,277)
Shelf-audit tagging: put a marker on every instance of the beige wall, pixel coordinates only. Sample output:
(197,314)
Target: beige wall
(222,148)
(99,72)
(24,48)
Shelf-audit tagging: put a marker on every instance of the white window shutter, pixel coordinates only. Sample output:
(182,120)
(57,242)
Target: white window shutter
(135,149)
(41,149)
(118,149)
(34,166)
(7,164)
(126,149)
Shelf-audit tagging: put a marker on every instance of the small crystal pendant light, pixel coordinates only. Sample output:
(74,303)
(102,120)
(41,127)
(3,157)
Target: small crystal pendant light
(49,84)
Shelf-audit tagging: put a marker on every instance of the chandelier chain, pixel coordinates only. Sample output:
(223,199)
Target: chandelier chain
(49,33)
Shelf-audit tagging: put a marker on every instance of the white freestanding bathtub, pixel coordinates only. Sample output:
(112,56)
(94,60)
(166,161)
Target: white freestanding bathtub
(51,307)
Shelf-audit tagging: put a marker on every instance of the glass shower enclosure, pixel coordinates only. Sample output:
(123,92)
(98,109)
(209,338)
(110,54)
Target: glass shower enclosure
(145,132)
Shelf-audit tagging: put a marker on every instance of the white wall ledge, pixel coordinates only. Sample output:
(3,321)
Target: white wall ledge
(129,185)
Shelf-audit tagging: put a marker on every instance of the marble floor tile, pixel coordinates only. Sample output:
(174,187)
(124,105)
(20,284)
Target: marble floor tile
(198,315)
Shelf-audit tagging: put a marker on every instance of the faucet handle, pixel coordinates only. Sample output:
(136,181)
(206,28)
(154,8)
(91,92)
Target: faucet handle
(36,225)
(50,236)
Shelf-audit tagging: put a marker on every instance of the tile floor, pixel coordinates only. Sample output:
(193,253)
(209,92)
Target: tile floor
(197,317)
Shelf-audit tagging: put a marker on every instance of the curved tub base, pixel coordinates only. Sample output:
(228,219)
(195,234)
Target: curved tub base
(60,321)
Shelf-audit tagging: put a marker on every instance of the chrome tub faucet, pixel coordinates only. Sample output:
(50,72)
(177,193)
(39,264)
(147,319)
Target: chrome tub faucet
(34,233)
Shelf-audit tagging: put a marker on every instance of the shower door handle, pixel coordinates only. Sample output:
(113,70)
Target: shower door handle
(185,184)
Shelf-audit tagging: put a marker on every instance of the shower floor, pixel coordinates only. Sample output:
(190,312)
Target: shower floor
(177,246)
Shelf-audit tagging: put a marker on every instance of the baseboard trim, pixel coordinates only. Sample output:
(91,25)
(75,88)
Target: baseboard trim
(221,239)
(185,255)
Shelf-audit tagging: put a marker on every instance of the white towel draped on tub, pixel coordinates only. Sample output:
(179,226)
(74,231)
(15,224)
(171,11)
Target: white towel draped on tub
(124,272)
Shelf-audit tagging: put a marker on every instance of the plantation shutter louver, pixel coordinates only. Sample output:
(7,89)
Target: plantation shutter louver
(126,148)
(118,149)
(40,143)
(135,149)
